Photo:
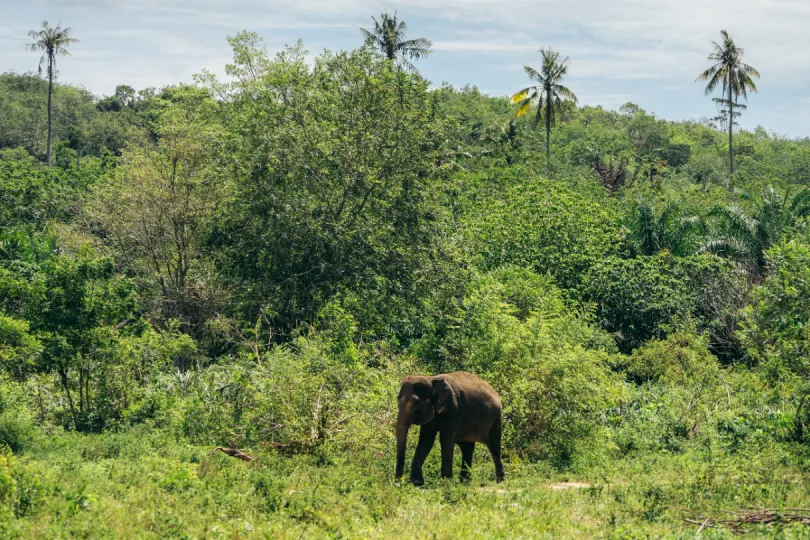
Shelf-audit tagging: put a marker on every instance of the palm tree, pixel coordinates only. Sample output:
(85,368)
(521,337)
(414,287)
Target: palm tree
(388,35)
(51,42)
(746,237)
(673,229)
(548,92)
(736,77)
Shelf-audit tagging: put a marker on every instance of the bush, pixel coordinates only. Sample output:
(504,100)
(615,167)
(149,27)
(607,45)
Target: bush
(17,429)
(681,393)
(21,491)
(556,403)
(543,355)
(775,329)
(18,348)
(541,225)
(681,359)
(299,398)
(647,297)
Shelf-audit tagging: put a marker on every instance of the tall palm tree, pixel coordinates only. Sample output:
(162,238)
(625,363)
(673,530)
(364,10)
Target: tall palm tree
(736,78)
(388,35)
(51,42)
(746,237)
(549,93)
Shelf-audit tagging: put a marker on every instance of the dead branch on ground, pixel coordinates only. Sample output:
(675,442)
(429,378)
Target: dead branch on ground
(759,516)
(233,452)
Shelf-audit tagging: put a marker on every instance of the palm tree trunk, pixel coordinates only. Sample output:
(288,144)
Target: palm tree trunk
(50,93)
(730,130)
(548,127)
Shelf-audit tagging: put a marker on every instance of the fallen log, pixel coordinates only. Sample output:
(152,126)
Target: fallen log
(233,452)
(762,516)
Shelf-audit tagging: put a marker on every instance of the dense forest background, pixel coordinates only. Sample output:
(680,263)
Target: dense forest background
(255,263)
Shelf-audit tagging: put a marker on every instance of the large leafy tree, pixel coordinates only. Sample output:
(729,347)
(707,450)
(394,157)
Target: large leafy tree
(548,93)
(335,188)
(735,77)
(52,42)
(388,35)
(71,304)
(154,210)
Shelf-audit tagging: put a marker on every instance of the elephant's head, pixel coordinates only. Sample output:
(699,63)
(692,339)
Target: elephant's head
(420,399)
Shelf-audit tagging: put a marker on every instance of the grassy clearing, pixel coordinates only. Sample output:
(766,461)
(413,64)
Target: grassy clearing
(140,484)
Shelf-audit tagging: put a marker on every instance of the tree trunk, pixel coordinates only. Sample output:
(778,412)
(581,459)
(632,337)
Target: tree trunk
(41,406)
(548,127)
(730,129)
(63,377)
(50,93)
(81,390)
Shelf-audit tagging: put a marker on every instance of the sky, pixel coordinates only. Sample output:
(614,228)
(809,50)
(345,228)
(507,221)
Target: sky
(648,52)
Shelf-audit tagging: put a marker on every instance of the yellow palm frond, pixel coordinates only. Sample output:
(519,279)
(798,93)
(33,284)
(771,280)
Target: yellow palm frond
(520,96)
(523,109)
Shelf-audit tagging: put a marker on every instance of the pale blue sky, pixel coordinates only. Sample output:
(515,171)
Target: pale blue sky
(645,51)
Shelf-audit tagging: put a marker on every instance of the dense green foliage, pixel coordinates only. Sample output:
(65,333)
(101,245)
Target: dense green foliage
(256,262)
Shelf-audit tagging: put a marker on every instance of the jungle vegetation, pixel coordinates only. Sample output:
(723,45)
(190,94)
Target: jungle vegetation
(255,262)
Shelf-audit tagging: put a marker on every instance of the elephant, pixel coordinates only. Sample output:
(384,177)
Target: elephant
(462,408)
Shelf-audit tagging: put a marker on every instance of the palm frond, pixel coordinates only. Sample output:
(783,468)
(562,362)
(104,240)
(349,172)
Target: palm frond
(800,204)
(565,93)
(523,109)
(533,74)
(671,211)
(645,226)
(735,218)
(728,70)
(520,95)
(728,247)
(388,35)
(541,110)
(416,48)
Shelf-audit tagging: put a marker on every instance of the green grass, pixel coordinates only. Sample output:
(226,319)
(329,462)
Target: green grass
(142,484)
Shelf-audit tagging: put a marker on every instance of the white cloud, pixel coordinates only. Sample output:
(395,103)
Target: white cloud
(483,46)
(624,47)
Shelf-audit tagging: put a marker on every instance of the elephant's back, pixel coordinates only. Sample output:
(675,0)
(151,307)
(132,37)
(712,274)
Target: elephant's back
(476,390)
(480,406)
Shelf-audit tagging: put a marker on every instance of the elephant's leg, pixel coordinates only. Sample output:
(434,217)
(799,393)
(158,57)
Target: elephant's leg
(467,450)
(494,445)
(448,442)
(426,439)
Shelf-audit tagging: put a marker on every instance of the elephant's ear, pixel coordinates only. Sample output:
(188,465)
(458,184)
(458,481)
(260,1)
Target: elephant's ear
(444,397)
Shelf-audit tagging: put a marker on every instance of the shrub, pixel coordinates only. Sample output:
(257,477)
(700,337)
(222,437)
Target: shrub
(681,393)
(681,359)
(541,225)
(647,297)
(556,402)
(298,399)
(18,348)
(543,355)
(775,329)
(17,430)
(21,491)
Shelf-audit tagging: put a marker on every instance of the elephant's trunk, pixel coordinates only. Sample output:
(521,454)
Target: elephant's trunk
(402,439)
